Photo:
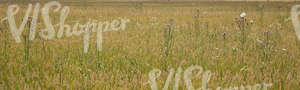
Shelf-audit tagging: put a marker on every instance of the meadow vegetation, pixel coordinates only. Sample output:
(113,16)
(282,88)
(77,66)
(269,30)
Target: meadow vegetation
(260,48)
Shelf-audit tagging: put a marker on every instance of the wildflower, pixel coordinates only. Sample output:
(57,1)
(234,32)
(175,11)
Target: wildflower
(267,32)
(170,22)
(243,14)
(224,35)
(234,49)
(79,68)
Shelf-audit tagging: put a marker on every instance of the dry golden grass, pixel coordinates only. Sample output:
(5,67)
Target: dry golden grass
(128,56)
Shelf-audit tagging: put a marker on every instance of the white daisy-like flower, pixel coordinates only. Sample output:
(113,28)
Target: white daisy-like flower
(243,14)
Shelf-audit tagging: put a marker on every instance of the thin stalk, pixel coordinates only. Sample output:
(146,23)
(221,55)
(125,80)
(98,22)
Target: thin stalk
(6,42)
(196,22)
(168,38)
(206,25)
(224,42)
(27,42)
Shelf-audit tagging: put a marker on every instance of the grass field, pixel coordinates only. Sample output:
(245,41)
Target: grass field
(261,49)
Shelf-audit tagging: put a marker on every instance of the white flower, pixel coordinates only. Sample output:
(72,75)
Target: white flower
(243,14)
(251,21)
(233,48)
(79,69)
